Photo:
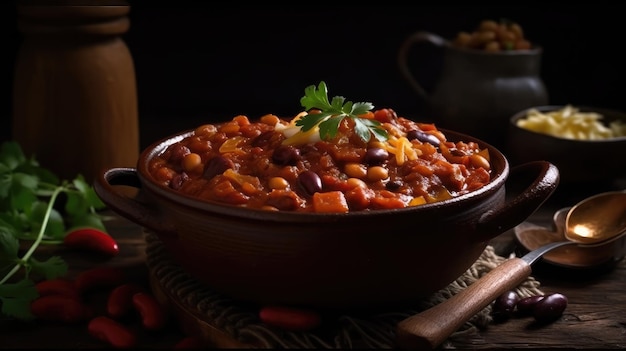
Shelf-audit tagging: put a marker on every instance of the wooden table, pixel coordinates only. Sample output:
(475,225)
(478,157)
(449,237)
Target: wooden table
(594,319)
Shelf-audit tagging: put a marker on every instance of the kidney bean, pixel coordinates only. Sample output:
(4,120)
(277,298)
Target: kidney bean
(100,277)
(309,182)
(217,165)
(58,286)
(525,306)
(263,139)
(59,308)
(120,300)
(91,239)
(153,315)
(550,308)
(375,156)
(112,332)
(178,152)
(289,318)
(423,137)
(285,155)
(504,306)
(178,180)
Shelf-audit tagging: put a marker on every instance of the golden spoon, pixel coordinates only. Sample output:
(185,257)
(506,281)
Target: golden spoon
(430,328)
(597,219)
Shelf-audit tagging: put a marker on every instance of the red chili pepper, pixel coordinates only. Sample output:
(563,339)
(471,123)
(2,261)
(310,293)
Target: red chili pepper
(289,318)
(112,332)
(92,239)
(153,315)
(59,286)
(100,277)
(120,300)
(59,308)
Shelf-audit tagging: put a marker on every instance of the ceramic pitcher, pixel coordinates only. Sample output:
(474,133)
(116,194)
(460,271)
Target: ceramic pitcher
(474,92)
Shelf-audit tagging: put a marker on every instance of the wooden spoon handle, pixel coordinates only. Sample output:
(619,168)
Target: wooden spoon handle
(430,328)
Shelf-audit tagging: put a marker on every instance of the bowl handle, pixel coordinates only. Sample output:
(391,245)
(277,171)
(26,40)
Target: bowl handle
(544,178)
(403,58)
(137,209)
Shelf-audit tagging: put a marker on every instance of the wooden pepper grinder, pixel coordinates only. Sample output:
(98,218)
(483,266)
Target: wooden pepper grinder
(74,93)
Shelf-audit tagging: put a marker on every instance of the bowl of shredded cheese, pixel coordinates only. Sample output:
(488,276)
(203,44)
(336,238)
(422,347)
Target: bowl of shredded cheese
(587,144)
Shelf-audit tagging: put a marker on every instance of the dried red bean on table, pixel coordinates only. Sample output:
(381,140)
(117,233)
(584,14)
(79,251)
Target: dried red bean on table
(289,318)
(550,308)
(112,332)
(58,286)
(504,306)
(120,299)
(59,308)
(153,315)
(93,240)
(525,306)
(100,277)
(544,308)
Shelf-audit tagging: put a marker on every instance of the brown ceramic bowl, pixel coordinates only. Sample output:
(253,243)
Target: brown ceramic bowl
(356,259)
(578,161)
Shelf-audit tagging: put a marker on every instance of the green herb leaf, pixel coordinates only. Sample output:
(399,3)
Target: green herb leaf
(28,216)
(53,267)
(333,112)
(11,155)
(16,299)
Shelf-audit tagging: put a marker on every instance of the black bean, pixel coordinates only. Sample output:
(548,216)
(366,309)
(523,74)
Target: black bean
(263,139)
(285,155)
(525,306)
(550,308)
(309,182)
(178,151)
(504,306)
(178,180)
(217,165)
(423,137)
(375,156)
(393,185)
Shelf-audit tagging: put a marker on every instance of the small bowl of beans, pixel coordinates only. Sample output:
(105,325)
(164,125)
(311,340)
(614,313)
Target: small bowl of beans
(340,205)
(587,144)
(493,36)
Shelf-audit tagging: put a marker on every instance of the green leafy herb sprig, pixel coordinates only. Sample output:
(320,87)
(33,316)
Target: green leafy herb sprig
(30,216)
(333,112)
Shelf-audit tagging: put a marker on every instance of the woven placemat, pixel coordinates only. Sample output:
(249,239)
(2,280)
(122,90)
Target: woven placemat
(376,331)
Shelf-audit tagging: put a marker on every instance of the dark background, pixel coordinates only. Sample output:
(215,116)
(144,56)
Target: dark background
(197,64)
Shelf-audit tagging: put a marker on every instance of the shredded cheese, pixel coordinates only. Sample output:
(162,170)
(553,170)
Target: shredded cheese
(570,123)
(402,149)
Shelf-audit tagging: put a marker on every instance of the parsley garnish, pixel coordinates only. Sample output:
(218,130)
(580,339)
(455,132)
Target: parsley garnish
(332,113)
(30,217)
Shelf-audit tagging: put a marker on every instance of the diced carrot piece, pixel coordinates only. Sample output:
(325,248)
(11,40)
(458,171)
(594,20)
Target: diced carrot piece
(332,201)
(387,202)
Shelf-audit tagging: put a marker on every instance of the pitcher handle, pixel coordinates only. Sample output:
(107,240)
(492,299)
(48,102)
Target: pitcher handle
(403,55)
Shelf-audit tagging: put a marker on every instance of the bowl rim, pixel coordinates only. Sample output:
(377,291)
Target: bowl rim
(497,181)
(583,108)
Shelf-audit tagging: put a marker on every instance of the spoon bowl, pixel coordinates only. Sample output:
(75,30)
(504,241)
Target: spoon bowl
(597,219)
(585,256)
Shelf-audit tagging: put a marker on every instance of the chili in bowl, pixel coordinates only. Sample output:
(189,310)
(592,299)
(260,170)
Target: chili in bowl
(257,165)
(341,206)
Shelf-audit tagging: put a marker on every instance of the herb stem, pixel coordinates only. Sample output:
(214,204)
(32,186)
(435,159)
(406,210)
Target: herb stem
(39,238)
